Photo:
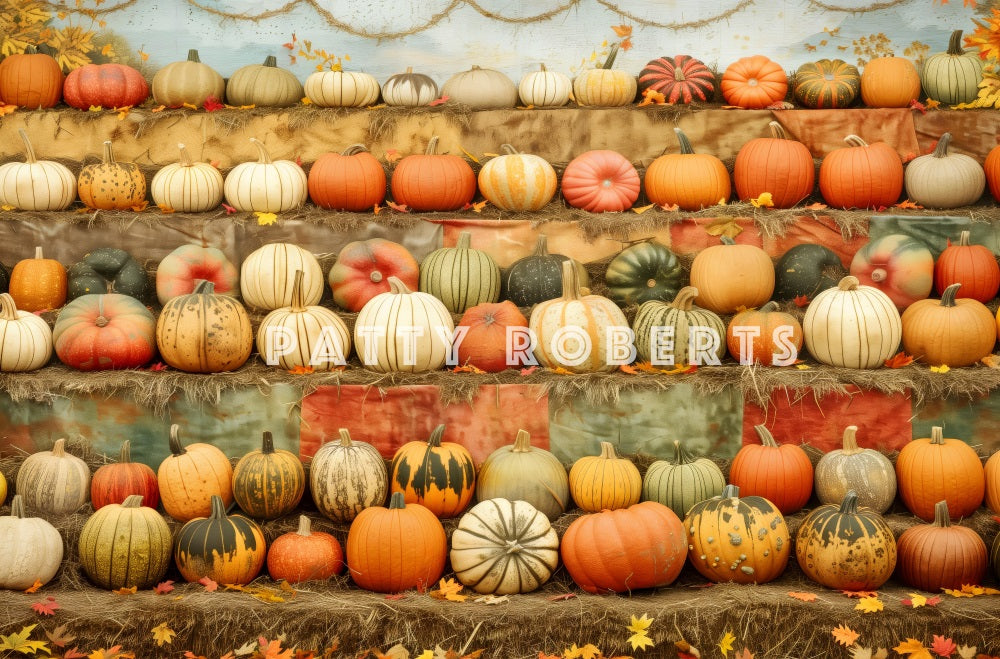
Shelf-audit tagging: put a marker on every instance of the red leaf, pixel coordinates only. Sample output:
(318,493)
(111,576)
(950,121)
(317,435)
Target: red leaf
(212,104)
(917,105)
(933,601)
(439,101)
(209,585)
(298,160)
(397,596)
(46,608)
(229,209)
(164,587)
(899,360)
(801,301)
(158,366)
(564,596)
(944,647)
(74,654)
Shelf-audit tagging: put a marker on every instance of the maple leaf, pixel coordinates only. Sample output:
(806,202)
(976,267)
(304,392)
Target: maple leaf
(943,647)
(622,30)
(301,370)
(899,360)
(914,648)
(640,641)
(588,651)
(986,37)
(726,643)
(559,370)
(391,155)
(125,591)
(18,642)
(491,599)
(449,589)
(859,594)
(59,638)
(858,652)
(524,373)
(123,112)
(165,209)
(908,204)
(805,597)
(439,101)
(651,96)
(625,368)
(272,649)
(672,208)
(164,587)
(265,219)
(114,652)
(7,207)
(816,207)
(163,634)
(210,586)
(641,624)
(844,635)
(46,608)
(724,227)
(917,105)
(6,109)
(765,200)
(869,605)
(943,368)
(399,208)
(957,593)
(34,587)
(192,655)
(141,206)
(212,104)
(74,654)
(744,654)
(542,655)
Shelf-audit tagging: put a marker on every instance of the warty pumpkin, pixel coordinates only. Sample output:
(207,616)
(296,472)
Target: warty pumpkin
(31,79)
(268,275)
(54,482)
(522,472)
(952,77)
(776,164)
(643,272)
(268,483)
(108,270)
(32,548)
(766,336)
(954,332)
(897,264)
(264,85)
(861,175)
(202,332)
(691,181)
(187,81)
(346,476)
(125,545)
(104,85)
(111,184)
(304,555)
(604,481)
(25,338)
(38,283)
(341,89)
(889,82)
(678,333)
(754,82)
(460,276)
(228,549)
(731,275)
(363,269)
(438,475)
(827,83)
(116,481)
(409,89)
(481,89)
(191,476)
(944,180)
(187,186)
(36,185)
(782,474)
(517,181)
(938,555)
(98,332)
(265,185)
(683,482)
(939,468)
(485,343)
(865,471)
(544,88)
(433,181)
(600,181)
(352,180)
(973,266)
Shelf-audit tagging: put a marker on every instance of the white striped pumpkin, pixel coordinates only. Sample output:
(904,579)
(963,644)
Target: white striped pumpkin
(409,89)
(517,181)
(36,185)
(544,88)
(460,276)
(32,549)
(126,545)
(345,477)
(604,87)
(504,547)
(187,186)
(341,89)
(682,483)
(54,482)
(391,324)
(522,472)
(267,276)
(266,186)
(25,339)
(685,318)
(852,326)
(866,471)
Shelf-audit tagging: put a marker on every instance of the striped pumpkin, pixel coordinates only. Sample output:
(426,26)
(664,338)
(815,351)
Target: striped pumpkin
(460,276)
(268,483)
(682,483)
(341,89)
(265,186)
(203,332)
(517,181)
(267,276)
(866,471)
(441,476)
(31,547)
(604,87)
(544,88)
(642,272)
(526,473)
(54,482)
(191,476)
(25,338)
(604,481)
(681,79)
(228,549)
(827,84)
(125,545)
(345,477)
(187,186)
(952,77)
(36,185)
(504,547)
(698,334)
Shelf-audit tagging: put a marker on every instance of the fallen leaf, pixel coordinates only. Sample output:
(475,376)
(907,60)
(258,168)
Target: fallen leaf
(164,587)
(933,601)
(844,635)
(18,642)
(439,101)
(625,368)
(265,219)
(943,647)
(6,109)
(74,653)
(189,106)
(449,589)
(805,597)
(906,203)
(34,587)
(859,594)
(917,105)
(642,209)
(272,649)
(914,648)
(672,208)
(765,200)
(299,369)
(158,366)
(165,209)
(640,624)
(491,599)
(869,605)
(159,108)
(141,206)
(399,208)
(469,155)
(899,360)
(564,596)
(126,591)
(943,368)
(123,112)
(640,641)
(47,607)
(967,651)
(524,373)
(726,643)
(229,209)
(377,209)
(815,207)
(724,227)
(622,30)
(210,586)
(7,207)
(468,368)
(588,651)
(163,634)
(743,654)
(559,370)
(59,638)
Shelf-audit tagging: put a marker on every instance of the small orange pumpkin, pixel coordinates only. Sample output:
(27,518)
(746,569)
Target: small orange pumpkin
(782,474)
(304,555)
(111,185)
(765,335)
(39,283)
(605,481)
(191,476)
(754,82)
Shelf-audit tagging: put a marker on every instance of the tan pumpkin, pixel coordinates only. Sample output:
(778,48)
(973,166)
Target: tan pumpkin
(522,472)
(264,85)
(267,276)
(409,89)
(190,476)
(36,185)
(25,338)
(112,185)
(187,186)
(481,89)
(950,331)
(866,471)
(517,181)
(345,477)
(54,482)
(604,481)
(544,88)
(944,180)
(202,332)
(189,81)
(341,89)
(266,186)
(730,276)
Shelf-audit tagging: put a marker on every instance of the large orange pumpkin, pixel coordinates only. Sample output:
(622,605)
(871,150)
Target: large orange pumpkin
(754,82)
(862,175)
(352,180)
(936,468)
(440,476)
(691,181)
(949,331)
(781,474)
(973,266)
(433,181)
(485,343)
(938,555)
(730,276)
(600,181)
(775,164)
(31,80)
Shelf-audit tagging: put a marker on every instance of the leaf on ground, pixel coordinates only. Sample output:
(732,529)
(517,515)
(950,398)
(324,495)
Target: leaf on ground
(859,594)
(914,648)
(396,596)
(625,368)
(209,584)
(743,654)
(943,647)
(163,634)
(564,596)
(899,360)
(272,649)
(869,605)
(639,210)
(126,591)
(967,651)
(265,219)
(640,624)
(34,587)
(844,635)
(805,597)
(726,643)
(640,641)
(399,208)
(491,599)
(686,651)
(449,589)
(164,587)
(47,607)
(588,651)
(18,642)
(246,649)
(74,653)
(59,638)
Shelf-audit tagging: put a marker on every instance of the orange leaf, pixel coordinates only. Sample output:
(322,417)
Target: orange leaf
(899,360)
(467,368)
(125,591)
(908,204)
(159,108)
(625,368)
(34,587)
(744,654)
(993,361)
(377,209)
(7,109)
(439,101)
(449,589)
(672,208)
(859,594)
(138,208)
(528,371)
(396,596)
(622,30)
(399,208)
(943,647)
(562,371)
(301,370)
(805,597)
(914,648)
(391,155)
(165,209)
(869,605)
(164,587)
(844,635)
(816,207)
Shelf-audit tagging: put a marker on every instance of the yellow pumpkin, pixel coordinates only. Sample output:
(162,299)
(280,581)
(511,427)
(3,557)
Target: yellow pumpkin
(605,481)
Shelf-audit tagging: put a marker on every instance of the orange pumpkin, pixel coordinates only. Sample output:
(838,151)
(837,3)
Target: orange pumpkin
(228,549)
(111,185)
(781,474)
(730,276)
(191,476)
(765,335)
(440,476)
(38,284)
(862,175)
(949,331)
(31,80)
(992,169)
(600,181)
(889,82)
(754,82)
(936,468)
(485,344)
(605,481)
(689,180)
(352,180)
(938,555)
(992,472)
(973,266)
(777,165)
(433,181)
(304,555)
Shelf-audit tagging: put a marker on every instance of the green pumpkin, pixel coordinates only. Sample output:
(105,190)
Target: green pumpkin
(126,545)
(228,549)
(460,276)
(681,315)
(682,483)
(953,77)
(643,272)
(108,270)
(827,83)
(538,277)
(806,269)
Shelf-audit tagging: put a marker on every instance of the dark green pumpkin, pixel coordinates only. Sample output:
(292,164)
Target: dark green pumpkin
(228,549)
(108,270)
(682,315)
(827,83)
(806,269)
(643,272)
(538,277)
(4,278)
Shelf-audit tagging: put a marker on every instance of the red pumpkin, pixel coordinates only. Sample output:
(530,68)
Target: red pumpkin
(363,269)
(113,483)
(433,181)
(973,266)
(99,332)
(681,79)
(898,265)
(862,175)
(992,168)
(104,85)
(600,181)
(938,555)
(777,165)
(754,82)
(485,344)
(180,269)
(31,80)
(352,180)
(782,474)
(304,555)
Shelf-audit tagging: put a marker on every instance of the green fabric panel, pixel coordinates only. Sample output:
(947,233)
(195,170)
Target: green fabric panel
(934,231)
(976,422)
(26,426)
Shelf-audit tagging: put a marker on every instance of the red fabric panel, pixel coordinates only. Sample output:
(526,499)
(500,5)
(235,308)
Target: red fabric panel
(690,235)
(821,231)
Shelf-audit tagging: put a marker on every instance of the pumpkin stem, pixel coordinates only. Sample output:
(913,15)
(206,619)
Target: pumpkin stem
(186,160)
(854,140)
(948,297)
(542,245)
(941,150)
(608,451)
(766,438)
(730,491)
(264,157)
(203,287)
(38,252)
(59,448)
(109,155)
(610,60)
(541,67)
(509,150)
(955,43)
(354,149)
(679,74)
(102,321)
(849,506)
(683,140)
(218,508)
(305,526)
(777,131)
(125,456)
(30,49)
(345,437)
(434,441)
(193,56)
(681,457)
(570,281)
(726,240)
(941,517)
(29,150)
(432,146)
(397,501)
(267,443)
(879,274)
(850,441)
(522,443)
(963,238)
(937,435)
(176,448)
(769,307)
(464,240)
(297,304)
(270,60)
(17,507)
(132,501)
(849,283)
(397,287)
(514,547)
(8,308)
(375,276)
(685,298)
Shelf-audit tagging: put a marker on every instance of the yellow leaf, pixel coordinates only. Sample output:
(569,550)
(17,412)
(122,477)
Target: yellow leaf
(426,654)
(957,593)
(306,100)
(642,209)
(914,648)
(765,200)
(724,227)
(7,207)
(95,108)
(471,157)
(143,56)
(622,30)
(123,112)
(189,106)
(869,605)
(108,50)
(7,109)
(588,651)
(159,108)
(265,219)
(478,206)
(163,634)
(19,642)
(917,600)
(802,367)
(845,635)
(639,641)
(943,368)
(726,644)
(449,589)
(641,624)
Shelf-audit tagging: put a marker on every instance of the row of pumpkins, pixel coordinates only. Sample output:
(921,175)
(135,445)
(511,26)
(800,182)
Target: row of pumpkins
(34,80)
(505,543)
(860,175)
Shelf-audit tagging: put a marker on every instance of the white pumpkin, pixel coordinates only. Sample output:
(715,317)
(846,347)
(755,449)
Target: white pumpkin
(345,477)
(36,185)
(267,276)
(866,471)
(409,89)
(54,482)
(341,89)
(545,89)
(944,180)
(481,89)
(32,549)
(25,339)
(187,186)
(266,186)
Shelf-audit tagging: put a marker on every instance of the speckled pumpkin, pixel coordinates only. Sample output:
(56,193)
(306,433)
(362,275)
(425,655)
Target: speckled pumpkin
(203,332)
(111,185)
(125,545)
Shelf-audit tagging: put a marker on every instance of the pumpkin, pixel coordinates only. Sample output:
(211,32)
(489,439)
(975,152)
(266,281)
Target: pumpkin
(995,555)
(503,547)
(522,472)
(385,344)
(897,264)
(39,283)
(865,471)
(191,476)
(754,83)
(889,82)
(105,332)
(577,332)
(125,545)
(433,181)
(32,549)
(642,272)
(681,79)
(181,269)
(301,335)
(678,333)
(691,181)
(104,85)
(187,81)
(341,89)
(393,549)
(775,164)
(491,330)
(268,483)
(944,180)
(683,482)
(25,338)
(440,476)
(738,539)
(345,477)
(363,269)
(116,481)
(3,489)
(600,550)
(600,181)
(544,88)
(265,186)
(352,180)
(517,181)
(202,332)
(604,481)
(538,277)
(304,555)
(228,549)
(782,474)
(460,276)
(973,266)
(108,270)
(605,86)
(264,85)
(730,276)
(936,468)
(805,270)
(481,89)
(992,490)
(949,331)
(827,84)
(111,185)
(187,186)
(31,80)
(952,77)
(861,175)
(844,548)
(36,185)
(936,556)
(852,326)
(765,335)
(992,168)
(267,276)
(54,482)
(409,89)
